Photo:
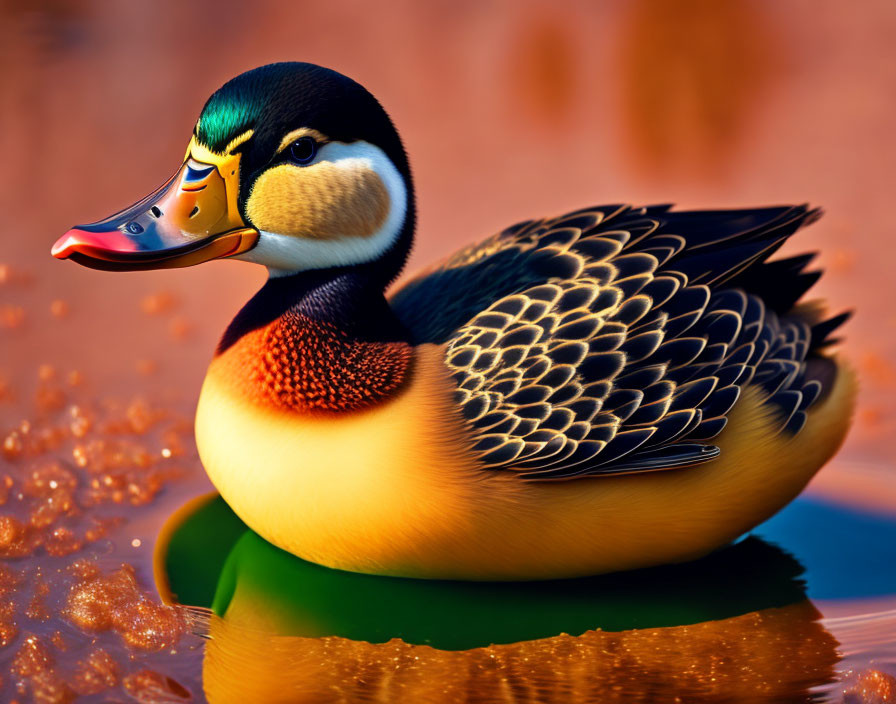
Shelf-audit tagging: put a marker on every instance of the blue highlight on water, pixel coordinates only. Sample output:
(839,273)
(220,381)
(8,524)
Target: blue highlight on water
(848,553)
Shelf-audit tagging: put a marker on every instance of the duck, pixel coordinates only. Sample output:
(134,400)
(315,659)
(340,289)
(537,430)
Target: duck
(612,388)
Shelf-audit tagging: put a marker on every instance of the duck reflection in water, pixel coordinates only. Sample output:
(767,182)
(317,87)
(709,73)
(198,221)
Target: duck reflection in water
(734,626)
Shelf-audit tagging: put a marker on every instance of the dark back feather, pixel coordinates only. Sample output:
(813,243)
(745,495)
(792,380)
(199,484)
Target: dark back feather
(616,339)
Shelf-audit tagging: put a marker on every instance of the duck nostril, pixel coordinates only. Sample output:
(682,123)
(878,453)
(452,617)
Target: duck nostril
(194,211)
(135,228)
(155,211)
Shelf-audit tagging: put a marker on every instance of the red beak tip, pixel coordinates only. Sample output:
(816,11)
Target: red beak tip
(91,243)
(64,246)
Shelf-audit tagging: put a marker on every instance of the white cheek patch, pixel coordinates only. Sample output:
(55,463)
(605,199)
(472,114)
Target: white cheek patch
(284,255)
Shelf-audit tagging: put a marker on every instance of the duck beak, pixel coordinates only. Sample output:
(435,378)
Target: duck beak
(191,219)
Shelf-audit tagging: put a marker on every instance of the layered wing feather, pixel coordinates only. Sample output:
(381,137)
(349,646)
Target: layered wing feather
(617,339)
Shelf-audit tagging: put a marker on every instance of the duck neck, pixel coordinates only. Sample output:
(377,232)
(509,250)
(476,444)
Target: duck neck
(318,341)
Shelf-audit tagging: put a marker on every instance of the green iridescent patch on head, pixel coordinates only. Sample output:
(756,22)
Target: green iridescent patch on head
(226,115)
(239,104)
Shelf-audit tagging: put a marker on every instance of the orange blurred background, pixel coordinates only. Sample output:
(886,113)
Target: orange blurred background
(509,110)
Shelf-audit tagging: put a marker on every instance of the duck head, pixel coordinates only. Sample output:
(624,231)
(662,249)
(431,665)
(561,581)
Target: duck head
(290,165)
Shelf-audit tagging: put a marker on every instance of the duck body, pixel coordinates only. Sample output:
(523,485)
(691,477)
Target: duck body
(395,487)
(613,388)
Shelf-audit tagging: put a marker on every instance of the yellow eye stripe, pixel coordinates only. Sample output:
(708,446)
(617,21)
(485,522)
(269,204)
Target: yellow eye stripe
(301,132)
(202,153)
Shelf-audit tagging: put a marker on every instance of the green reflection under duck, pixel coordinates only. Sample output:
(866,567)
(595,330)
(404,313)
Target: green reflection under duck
(207,557)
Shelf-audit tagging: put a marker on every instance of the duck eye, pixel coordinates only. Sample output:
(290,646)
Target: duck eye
(303,150)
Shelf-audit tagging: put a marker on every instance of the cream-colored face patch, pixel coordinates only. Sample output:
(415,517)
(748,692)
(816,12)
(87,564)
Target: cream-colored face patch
(346,207)
(323,201)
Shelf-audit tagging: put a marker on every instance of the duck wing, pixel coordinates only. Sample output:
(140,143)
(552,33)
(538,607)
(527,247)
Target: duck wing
(616,339)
